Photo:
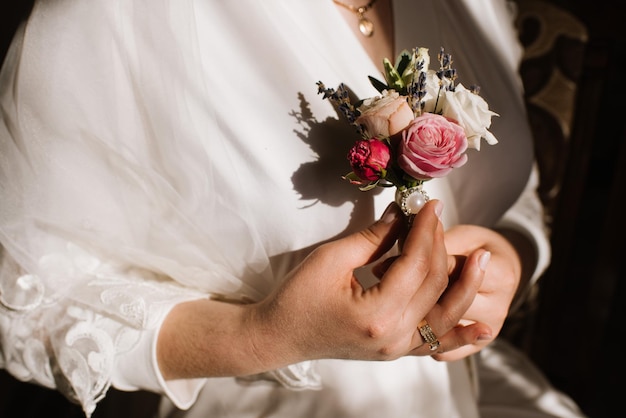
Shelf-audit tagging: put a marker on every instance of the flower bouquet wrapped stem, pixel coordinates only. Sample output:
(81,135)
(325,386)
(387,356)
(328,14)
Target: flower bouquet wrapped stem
(419,128)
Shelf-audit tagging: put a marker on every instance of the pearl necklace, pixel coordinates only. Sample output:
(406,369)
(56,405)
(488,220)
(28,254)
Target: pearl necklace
(365,25)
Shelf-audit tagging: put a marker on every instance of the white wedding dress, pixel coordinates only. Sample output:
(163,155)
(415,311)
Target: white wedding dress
(153,152)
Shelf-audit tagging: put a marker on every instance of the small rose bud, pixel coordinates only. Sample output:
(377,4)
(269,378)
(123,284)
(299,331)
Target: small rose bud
(369,159)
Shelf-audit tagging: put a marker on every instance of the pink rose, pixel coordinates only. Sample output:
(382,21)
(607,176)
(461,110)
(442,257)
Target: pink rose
(369,159)
(431,146)
(385,116)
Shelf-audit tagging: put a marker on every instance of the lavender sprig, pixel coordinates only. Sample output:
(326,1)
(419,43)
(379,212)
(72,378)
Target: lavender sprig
(341,99)
(447,74)
(416,90)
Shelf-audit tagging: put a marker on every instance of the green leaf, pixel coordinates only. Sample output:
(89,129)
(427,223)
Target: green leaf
(352,177)
(393,78)
(404,61)
(378,85)
(369,186)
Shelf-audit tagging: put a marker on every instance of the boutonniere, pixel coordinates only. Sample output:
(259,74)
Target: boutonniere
(419,127)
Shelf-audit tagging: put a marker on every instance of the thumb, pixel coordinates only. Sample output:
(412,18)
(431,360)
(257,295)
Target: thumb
(369,244)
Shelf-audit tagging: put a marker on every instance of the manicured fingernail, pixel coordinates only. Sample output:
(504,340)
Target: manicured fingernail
(484,260)
(390,214)
(484,337)
(439,209)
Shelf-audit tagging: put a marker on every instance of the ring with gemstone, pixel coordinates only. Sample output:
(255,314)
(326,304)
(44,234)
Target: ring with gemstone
(428,335)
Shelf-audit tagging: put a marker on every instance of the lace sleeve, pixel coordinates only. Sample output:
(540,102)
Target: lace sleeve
(71,343)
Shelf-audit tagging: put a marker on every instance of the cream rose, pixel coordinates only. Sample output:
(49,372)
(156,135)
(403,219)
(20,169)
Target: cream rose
(386,115)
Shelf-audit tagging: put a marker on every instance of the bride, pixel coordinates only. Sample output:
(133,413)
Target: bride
(173,216)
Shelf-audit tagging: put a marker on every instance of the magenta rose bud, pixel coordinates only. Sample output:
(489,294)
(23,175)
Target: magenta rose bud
(431,146)
(369,159)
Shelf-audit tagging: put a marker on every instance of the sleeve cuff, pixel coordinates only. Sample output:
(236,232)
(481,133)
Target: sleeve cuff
(526,216)
(138,369)
(518,222)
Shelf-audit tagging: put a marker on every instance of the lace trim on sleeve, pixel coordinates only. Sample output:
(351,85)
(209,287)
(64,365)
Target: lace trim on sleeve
(68,338)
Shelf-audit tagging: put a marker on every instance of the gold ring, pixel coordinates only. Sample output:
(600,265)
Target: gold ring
(428,335)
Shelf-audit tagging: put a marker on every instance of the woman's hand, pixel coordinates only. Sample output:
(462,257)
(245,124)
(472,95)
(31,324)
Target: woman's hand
(500,283)
(321,311)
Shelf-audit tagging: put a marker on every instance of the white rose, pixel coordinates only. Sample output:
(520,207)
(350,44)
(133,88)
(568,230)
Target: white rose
(471,112)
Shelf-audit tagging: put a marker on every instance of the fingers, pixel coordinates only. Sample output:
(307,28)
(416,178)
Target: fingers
(415,283)
(461,340)
(461,294)
(448,312)
(423,255)
(366,246)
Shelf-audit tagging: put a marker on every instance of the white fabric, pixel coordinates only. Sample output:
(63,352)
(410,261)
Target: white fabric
(402,388)
(513,387)
(156,151)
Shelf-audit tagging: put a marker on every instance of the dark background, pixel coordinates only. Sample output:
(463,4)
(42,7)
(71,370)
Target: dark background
(572,328)
(581,317)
